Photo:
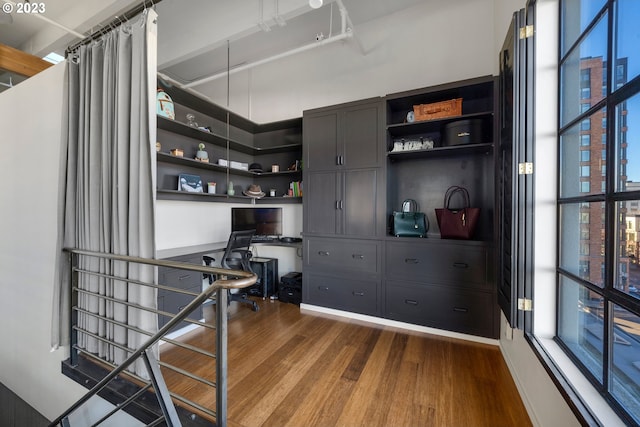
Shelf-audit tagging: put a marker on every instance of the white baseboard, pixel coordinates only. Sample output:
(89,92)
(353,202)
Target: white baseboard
(397,324)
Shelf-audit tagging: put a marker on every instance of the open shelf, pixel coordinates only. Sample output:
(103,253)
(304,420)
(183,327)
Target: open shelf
(432,126)
(220,140)
(225,198)
(185,161)
(441,151)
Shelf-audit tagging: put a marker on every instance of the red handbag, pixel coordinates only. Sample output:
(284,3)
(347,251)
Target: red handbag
(457,223)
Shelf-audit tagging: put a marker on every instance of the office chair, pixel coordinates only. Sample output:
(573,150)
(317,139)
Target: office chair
(236,256)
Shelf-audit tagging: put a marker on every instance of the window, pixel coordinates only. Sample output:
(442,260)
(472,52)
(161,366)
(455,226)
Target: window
(599,308)
(585,156)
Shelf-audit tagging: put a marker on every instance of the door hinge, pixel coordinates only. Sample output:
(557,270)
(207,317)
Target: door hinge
(526,32)
(525,168)
(524,304)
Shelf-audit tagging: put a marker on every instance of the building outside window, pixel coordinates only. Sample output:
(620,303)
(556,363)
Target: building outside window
(598,323)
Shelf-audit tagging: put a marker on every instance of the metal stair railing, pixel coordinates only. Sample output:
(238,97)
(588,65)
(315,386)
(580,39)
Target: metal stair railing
(227,279)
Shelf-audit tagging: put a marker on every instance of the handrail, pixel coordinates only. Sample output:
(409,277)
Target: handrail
(220,286)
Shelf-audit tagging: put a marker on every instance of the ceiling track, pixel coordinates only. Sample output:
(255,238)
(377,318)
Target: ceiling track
(345,33)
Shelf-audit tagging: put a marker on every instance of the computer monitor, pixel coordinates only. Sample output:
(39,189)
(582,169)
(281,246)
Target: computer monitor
(266,221)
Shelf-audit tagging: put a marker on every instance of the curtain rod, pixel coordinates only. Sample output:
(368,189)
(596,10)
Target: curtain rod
(115,23)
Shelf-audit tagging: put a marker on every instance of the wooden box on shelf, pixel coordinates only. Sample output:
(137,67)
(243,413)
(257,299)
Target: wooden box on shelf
(438,110)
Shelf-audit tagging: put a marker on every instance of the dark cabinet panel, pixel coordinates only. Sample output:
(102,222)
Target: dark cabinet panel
(460,264)
(362,136)
(361,256)
(343,292)
(358,204)
(321,141)
(175,301)
(321,202)
(454,309)
(346,136)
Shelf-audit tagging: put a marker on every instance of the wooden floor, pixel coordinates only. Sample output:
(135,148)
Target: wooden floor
(288,368)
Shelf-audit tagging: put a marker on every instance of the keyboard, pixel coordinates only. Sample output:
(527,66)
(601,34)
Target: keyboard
(259,239)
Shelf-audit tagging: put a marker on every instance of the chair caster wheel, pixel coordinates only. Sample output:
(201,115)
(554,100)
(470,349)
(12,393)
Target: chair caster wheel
(256,308)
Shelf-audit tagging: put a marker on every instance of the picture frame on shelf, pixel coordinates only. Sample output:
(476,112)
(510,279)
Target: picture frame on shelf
(190,183)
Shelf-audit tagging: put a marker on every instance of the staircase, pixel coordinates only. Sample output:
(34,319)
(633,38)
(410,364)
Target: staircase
(143,393)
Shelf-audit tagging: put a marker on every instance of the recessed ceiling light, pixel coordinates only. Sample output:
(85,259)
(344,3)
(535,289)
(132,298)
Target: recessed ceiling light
(315,4)
(54,58)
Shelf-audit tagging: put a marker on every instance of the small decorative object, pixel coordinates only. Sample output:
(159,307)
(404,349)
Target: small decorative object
(211,188)
(190,183)
(272,192)
(230,190)
(179,152)
(438,110)
(158,146)
(191,120)
(412,145)
(275,168)
(202,155)
(254,191)
(411,117)
(164,105)
(296,166)
(255,167)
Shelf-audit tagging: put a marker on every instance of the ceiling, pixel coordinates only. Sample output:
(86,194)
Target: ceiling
(193,35)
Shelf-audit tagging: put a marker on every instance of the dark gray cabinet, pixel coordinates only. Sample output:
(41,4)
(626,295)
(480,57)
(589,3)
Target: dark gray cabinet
(343,137)
(344,274)
(175,301)
(343,170)
(342,203)
(441,284)
(355,177)
(343,148)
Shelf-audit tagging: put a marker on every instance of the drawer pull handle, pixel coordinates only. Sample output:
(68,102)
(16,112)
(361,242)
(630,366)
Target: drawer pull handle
(358,294)
(411,261)
(186,276)
(411,302)
(357,256)
(323,288)
(460,309)
(323,253)
(460,265)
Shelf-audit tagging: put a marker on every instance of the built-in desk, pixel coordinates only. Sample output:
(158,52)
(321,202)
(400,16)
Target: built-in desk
(209,248)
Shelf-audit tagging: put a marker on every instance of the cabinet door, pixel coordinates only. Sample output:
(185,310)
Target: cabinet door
(321,141)
(358,202)
(321,202)
(361,136)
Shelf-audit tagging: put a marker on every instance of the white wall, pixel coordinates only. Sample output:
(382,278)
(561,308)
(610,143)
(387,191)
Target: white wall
(31,119)
(30,167)
(434,42)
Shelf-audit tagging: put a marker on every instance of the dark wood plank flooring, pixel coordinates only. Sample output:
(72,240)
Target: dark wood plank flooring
(293,368)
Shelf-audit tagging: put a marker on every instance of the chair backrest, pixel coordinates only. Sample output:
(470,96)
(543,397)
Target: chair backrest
(239,242)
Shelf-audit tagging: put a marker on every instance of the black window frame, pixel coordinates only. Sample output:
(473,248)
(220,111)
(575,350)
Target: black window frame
(616,92)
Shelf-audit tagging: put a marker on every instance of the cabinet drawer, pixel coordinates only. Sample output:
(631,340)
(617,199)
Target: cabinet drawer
(182,279)
(453,309)
(352,255)
(439,263)
(175,302)
(342,293)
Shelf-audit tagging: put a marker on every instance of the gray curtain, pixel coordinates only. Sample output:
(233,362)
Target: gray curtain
(110,186)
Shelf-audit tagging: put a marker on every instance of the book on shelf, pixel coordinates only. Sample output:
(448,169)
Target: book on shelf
(295,189)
